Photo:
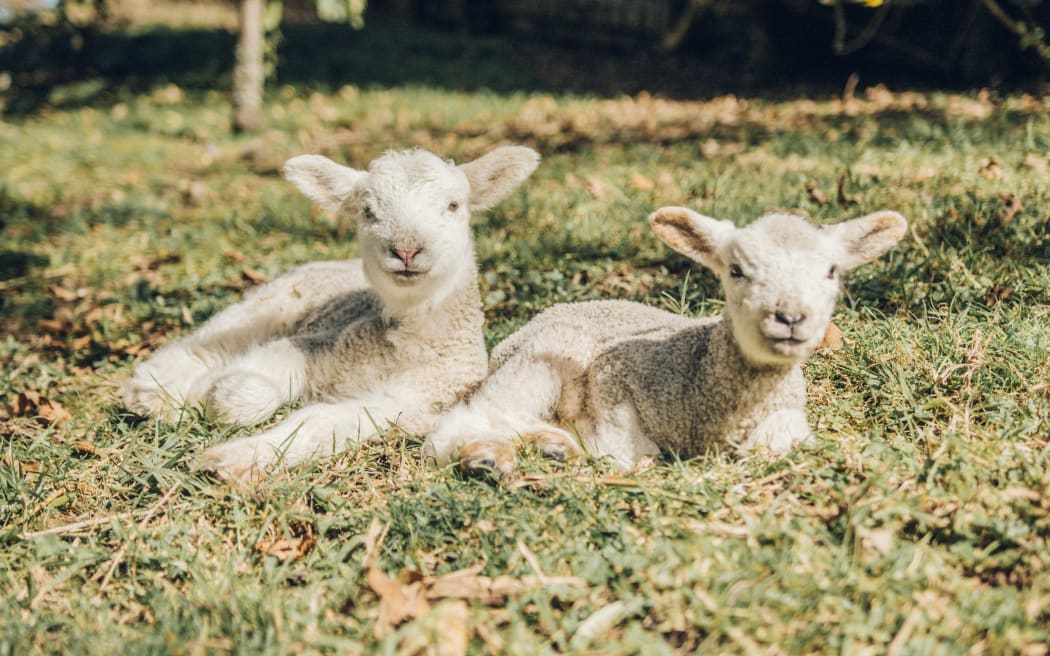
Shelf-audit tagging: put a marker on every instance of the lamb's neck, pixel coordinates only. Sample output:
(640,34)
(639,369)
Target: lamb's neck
(461,302)
(725,355)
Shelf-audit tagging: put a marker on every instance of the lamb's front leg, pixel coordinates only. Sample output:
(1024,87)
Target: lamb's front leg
(251,388)
(619,435)
(313,432)
(181,373)
(780,431)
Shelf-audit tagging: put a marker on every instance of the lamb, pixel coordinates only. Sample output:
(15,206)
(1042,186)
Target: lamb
(392,336)
(631,380)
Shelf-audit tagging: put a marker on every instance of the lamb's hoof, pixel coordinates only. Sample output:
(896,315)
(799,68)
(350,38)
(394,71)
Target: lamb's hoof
(149,400)
(488,458)
(230,465)
(555,446)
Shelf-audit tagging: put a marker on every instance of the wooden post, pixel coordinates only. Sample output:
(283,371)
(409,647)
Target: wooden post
(248,74)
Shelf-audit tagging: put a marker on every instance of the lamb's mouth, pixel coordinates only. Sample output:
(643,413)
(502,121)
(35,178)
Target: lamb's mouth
(407,276)
(786,345)
(785,340)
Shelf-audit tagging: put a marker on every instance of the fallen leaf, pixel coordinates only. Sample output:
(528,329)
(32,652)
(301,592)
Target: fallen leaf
(58,326)
(814,193)
(832,338)
(234,256)
(397,601)
(32,404)
(640,182)
(286,549)
(26,467)
(52,412)
(444,631)
(253,276)
(83,446)
(1011,206)
(598,188)
(1037,163)
(997,294)
(63,294)
(990,169)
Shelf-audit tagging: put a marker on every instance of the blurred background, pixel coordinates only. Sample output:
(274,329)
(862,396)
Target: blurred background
(68,52)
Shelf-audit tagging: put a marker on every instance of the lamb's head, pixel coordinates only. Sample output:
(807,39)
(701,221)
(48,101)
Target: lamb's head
(780,273)
(413,215)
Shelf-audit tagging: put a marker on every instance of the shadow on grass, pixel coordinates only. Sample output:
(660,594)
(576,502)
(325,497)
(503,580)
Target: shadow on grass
(92,68)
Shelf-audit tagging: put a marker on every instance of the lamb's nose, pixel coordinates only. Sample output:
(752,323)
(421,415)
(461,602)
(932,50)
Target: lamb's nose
(789,319)
(406,254)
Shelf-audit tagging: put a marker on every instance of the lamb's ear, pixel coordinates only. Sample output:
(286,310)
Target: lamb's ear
(494,175)
(694,235)
(866,238)
(321,180)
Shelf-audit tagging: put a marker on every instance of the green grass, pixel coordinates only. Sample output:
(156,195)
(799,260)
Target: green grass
(919,521)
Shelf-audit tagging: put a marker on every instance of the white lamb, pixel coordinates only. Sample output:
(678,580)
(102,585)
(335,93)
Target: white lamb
(631,380)
(393,336)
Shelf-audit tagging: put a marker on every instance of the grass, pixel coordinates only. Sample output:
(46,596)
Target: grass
(917,524)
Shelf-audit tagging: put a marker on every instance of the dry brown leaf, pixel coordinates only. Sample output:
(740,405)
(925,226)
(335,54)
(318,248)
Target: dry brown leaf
(83,446)
(286,549)
(58,326)
(63,294)
(397,601)
(997,294)
(814,193)
(253,276)
(51,412)
(1011,206)
(598,188)
(32,404)
(1037,163)
(832,338)
(26,467)
(444,631)
(641,182)
(990,169)
(234,256)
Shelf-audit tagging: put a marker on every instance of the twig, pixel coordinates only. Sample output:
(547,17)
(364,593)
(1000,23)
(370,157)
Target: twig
(864,37)
(75,527)
(533,562)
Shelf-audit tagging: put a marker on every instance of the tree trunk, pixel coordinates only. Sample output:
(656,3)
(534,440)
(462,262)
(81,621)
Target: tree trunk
(248,75)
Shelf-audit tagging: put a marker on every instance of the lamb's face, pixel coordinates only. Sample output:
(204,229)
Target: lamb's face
(413,213)
(413,223)
(781,281)
(780,274)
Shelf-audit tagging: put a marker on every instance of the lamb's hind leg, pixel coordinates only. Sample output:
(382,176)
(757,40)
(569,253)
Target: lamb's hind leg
(181,373)
(251,388)
(517,401)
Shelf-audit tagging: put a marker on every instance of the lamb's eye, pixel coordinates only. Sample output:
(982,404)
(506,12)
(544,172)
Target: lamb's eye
(369,213)
(453,206)
(735,271)
(832,272)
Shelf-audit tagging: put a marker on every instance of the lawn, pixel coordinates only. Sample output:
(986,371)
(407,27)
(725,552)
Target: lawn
(918,523)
